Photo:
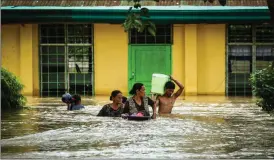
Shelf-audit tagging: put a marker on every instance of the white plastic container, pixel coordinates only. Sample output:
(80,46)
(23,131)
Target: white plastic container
(158,83)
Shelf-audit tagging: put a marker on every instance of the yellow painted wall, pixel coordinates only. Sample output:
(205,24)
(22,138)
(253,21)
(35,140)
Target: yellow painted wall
(190,60)
(198,57)
(26,68)
(178,48)
(20,54)
(35,60)
(211,59)
(110,58)
(10,48)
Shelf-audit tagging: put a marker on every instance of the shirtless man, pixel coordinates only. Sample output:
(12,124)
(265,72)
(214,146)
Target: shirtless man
(167,100)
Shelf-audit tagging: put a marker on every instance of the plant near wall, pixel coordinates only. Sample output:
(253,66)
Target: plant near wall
(139,19)
(11,88)
(262,82)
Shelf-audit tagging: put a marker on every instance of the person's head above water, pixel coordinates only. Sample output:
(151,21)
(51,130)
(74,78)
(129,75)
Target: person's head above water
(116,96)
(138,89)
(169,88)
(77,99)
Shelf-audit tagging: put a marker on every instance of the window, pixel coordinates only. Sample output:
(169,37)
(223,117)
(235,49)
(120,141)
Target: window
(163,36)
(66,59)
(249,47)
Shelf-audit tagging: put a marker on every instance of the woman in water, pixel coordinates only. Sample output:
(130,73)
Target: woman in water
(139,104)
(115,108)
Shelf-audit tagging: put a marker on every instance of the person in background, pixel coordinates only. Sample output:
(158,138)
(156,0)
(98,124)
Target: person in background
(73,102)
(139,104)
(76,103)
(115,108)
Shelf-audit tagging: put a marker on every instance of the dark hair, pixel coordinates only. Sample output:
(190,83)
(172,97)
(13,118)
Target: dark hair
(169,85)
(136,86)
(76,97)
(114,94)
(124,99)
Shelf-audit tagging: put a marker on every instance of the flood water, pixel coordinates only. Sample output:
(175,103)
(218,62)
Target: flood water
(199,127)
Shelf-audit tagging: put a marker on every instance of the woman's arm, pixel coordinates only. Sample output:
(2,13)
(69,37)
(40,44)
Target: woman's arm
(153,105)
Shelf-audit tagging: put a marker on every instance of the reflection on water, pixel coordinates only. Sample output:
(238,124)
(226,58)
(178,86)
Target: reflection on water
(200,127)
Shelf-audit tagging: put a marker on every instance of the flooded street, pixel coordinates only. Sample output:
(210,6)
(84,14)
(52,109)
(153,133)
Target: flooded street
(199,127)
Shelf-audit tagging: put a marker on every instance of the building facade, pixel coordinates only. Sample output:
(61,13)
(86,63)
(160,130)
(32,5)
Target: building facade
(212,50)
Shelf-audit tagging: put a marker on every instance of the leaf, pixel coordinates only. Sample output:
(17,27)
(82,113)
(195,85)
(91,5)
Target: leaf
(129,10)
(142,28)
(211,1)
(144,12)
(205,1)
(151,31)
(138,22)
(151,24)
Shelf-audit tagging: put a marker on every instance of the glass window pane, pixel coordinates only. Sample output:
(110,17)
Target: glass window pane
(52,50)
(53,68)
(53,77)
(88,78)
(80,78)
(163,36)
(61,87)
(52,58)
(44,31)
(61,77)
(61,68)
(265,33)
(44,59)
(53,86)
(264,56)
(45,68)
(71,78)
(240,33)
(44,40)
(61,58)
(61,50)
(45,86)
(44,49)
(45,77)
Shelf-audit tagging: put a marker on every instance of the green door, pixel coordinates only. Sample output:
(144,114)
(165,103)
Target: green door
(144,60)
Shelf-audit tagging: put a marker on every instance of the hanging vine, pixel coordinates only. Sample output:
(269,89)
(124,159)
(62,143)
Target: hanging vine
(138,17)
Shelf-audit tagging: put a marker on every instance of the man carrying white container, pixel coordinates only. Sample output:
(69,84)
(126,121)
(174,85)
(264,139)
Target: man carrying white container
(167,100)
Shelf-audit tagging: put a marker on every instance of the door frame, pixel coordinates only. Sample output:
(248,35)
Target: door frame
(130,58)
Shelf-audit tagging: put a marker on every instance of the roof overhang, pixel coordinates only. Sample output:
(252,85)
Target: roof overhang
(117,14)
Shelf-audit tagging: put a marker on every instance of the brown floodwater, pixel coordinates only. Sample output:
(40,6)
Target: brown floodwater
(199,127)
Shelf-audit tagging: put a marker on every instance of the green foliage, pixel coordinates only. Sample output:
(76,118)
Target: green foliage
(139,19)
(11,88)
(262,82)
